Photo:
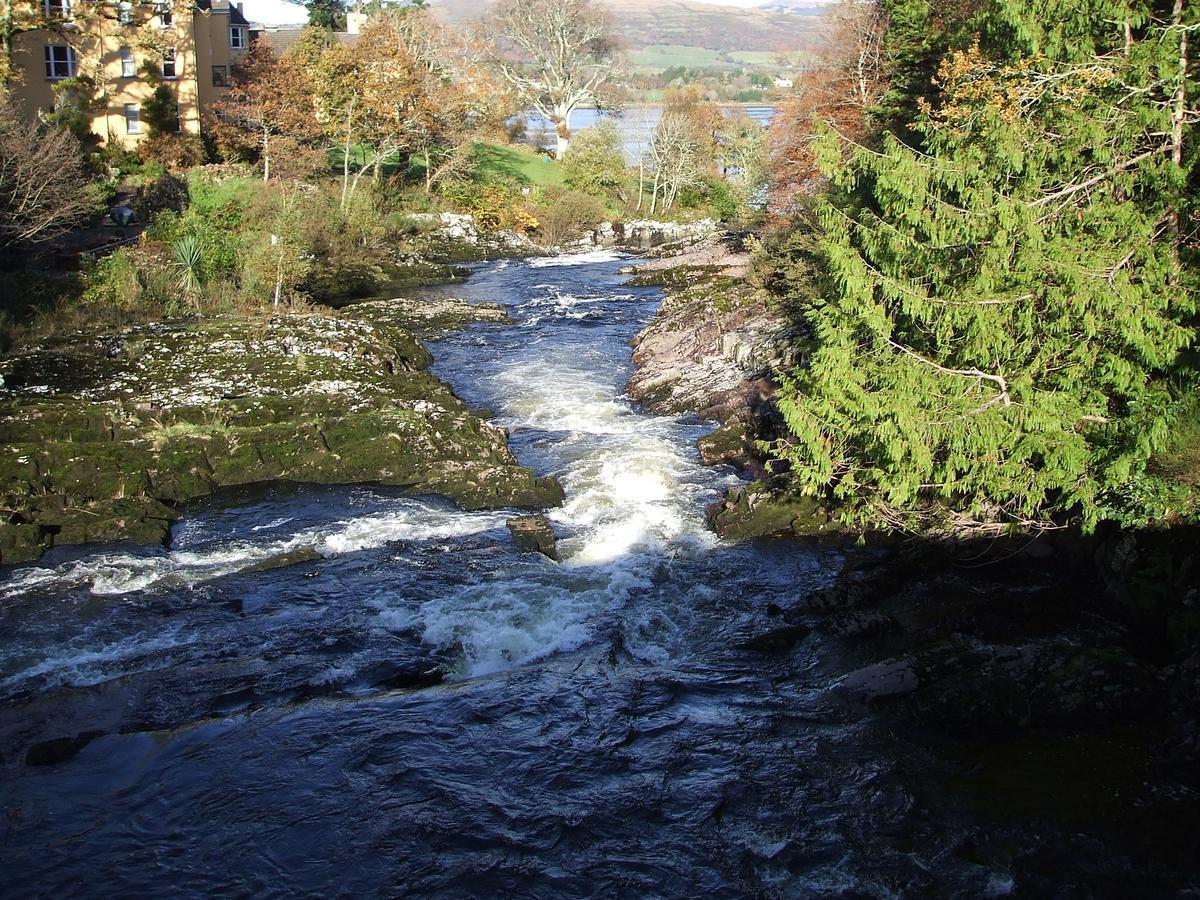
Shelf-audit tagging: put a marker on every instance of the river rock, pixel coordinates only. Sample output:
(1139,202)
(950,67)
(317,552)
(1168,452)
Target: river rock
(758,511)
(880,681)
(714,349)
(104,435)
(533,534)
(643,234)
(777,641)
(458,237)
(283,560)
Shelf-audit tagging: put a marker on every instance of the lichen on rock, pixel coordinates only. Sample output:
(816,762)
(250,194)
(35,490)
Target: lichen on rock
(104,436)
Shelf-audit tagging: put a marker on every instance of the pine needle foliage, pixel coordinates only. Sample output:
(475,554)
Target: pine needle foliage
(1006,310)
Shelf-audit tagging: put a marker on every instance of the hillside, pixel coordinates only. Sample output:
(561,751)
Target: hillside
(683,23)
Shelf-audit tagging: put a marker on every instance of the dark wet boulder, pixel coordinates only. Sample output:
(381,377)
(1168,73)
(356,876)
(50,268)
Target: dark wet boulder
(880,681)
(283,560)
(776,641)
(533,534)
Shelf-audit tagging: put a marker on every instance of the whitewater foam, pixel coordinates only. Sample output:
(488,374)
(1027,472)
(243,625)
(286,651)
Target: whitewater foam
(113,574)
(577,259)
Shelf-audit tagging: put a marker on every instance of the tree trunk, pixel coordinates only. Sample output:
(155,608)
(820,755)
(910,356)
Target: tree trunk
(266,155)
(357,177)
(346,155)
(428,173)
(561,120)
(641,183)
(1178,116)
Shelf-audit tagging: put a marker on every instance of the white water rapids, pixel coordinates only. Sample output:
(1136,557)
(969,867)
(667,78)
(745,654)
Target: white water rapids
(635,500)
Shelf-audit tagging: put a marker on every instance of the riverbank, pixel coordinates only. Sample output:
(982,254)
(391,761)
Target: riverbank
(1064,652)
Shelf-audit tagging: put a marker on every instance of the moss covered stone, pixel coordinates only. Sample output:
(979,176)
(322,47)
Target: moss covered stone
(157,415)
(756,511)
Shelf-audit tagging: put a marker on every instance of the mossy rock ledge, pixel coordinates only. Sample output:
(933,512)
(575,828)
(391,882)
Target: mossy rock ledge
(757,511)
(103,437)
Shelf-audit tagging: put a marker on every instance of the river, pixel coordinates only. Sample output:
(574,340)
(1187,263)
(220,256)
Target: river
(279,732)
(636,125)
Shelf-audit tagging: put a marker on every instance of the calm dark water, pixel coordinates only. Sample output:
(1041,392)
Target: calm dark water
(170,726)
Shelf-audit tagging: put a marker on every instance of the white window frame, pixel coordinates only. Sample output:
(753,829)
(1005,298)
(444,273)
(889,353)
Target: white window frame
(224,70)
(128,63)
(58,69)
(237,37)
(170,56)
(133,118)
(166,15)
(57,9)
(124,13)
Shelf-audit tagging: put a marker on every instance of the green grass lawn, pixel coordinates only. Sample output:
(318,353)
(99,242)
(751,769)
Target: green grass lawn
(361,155)
(522,163)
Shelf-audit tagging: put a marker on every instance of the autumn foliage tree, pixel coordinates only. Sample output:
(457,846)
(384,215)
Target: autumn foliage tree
(269,112)
(847,80)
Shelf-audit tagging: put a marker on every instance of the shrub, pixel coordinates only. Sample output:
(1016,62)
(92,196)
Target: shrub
(167,192)
(563,215)
(595,161)
(132,276)
(174,151)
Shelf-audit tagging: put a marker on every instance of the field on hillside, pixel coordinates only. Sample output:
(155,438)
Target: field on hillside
(643,25)
(657,57)
(665,56)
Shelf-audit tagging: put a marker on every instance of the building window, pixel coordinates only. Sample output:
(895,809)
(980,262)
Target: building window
(57,9)
(237,37)
(128,63)
(60,62)
(166,15)
(220,76)
(125,13)
(178,125)
(168,68)
(133,118)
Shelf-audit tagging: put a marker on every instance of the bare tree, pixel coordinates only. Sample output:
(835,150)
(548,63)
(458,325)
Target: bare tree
(557,54)
(677,158)
(43,188)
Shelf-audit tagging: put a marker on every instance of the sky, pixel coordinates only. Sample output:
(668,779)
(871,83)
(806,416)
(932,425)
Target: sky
(280,12)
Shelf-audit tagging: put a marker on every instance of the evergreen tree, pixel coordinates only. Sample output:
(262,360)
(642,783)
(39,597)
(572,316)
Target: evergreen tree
(1004,310)
(329,14)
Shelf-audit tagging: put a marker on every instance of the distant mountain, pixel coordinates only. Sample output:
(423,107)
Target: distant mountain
(684,23)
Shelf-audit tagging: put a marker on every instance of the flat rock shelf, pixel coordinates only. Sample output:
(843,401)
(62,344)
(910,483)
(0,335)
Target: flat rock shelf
(104,436)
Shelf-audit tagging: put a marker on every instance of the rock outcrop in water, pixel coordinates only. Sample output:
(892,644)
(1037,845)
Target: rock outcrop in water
(458,237)
(713,345)
(103,436)
(534,534)
(714,350)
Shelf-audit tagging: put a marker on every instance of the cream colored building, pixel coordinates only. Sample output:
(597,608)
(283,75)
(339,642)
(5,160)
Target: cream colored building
(193,43)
